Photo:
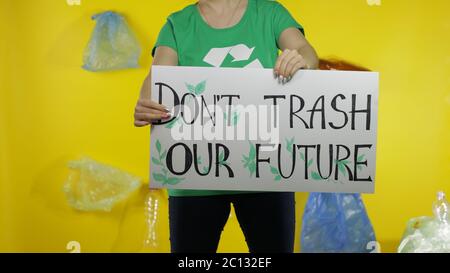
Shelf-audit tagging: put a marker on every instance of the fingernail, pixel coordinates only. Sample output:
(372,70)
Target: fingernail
(275,74)
(280,79)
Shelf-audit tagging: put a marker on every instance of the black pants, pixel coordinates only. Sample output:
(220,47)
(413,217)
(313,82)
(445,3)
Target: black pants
(266,219)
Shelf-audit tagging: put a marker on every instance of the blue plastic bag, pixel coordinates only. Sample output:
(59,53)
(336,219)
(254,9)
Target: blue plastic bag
(336,222)
(112,45)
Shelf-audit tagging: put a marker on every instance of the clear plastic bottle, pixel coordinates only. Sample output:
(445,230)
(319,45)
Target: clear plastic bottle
(152,204)
(441,208)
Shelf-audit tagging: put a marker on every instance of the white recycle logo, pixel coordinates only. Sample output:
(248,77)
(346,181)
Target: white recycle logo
(240,52)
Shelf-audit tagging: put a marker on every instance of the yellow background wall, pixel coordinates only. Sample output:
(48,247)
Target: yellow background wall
(52,111)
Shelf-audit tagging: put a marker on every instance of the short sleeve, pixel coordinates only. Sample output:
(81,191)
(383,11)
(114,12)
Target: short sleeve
(166,37)
(282,20)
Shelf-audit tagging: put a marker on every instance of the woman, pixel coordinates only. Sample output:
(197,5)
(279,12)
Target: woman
(229,33)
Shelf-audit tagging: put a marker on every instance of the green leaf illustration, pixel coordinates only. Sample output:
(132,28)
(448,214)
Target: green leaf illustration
(360,158)
(289,144)
(310,162)
(246,159)
(341,166)
(289,148)
(302,156)
(190,88)
(158,146)
(221,157)
(274,170)
(235,118)
(200,88)
(173,180)
(163,155)
(156,161)
(172,123)
(316,176)
(163,177)
(159,177)
(252,168)
(342,169)
(249,160)
(252,153)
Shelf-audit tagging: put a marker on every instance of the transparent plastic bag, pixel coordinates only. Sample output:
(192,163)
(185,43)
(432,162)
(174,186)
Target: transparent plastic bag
(336,222)
(112,45)
(93,186)
(428,234)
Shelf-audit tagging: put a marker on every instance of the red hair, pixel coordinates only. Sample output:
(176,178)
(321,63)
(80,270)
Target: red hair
(334,64)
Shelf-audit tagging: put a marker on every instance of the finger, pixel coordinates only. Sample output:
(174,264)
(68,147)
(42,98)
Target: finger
(291,64)
(152,104)
(141,123)
(150,116)
(293,68)
(279,61)
(286,61)
(142,109)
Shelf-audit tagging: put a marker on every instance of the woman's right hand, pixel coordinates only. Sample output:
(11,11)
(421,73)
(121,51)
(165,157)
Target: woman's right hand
(148,111)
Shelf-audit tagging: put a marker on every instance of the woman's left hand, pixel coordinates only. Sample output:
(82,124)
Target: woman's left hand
(289,62)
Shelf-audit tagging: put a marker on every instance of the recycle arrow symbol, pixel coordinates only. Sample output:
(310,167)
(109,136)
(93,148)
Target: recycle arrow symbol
(240,52)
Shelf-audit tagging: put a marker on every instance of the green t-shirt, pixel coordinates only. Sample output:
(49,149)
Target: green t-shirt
(251,43)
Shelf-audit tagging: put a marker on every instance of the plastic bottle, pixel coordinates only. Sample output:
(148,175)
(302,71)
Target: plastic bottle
(152,204)
(441,208)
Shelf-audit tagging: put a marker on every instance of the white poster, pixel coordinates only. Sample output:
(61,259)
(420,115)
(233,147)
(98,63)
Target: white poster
(239,129)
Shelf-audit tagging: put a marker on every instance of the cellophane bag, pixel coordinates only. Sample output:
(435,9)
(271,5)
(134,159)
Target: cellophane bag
(428,234)
(94,186)
(112,46)
(336,223)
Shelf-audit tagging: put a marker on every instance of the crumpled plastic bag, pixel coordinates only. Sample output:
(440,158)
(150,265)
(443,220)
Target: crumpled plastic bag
(336,222)
(428,234)
(93,186)
(112,45)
